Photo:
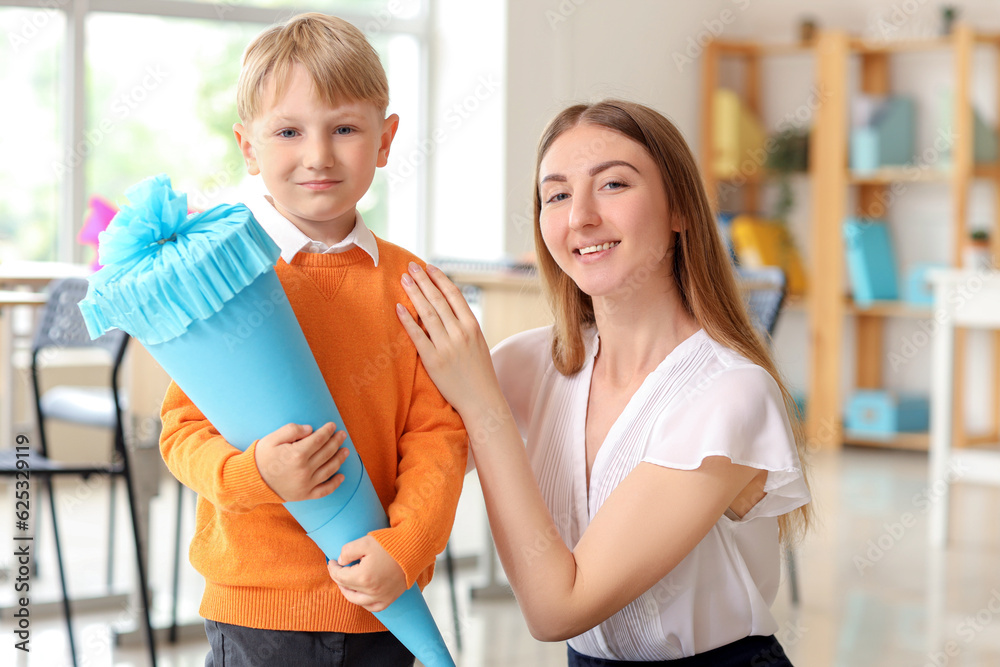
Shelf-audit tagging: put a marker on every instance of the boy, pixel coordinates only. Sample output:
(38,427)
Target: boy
(312,97)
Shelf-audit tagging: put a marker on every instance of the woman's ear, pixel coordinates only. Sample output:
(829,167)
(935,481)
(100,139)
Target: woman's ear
(246,147)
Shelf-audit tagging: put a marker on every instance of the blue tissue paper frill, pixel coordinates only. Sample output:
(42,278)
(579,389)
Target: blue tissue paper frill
(165,269)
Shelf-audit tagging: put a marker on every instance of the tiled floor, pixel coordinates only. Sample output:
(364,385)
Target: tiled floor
(871,592)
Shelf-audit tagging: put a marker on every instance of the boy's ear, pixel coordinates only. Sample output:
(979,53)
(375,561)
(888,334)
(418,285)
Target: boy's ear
(243,141)
(389,127)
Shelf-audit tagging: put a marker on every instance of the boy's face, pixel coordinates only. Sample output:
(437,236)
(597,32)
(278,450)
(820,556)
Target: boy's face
(317,161)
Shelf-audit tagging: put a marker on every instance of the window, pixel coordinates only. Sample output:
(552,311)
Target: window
(158,96)
(30,60)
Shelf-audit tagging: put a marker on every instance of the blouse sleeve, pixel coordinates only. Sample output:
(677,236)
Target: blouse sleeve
(738,413)
(520,361)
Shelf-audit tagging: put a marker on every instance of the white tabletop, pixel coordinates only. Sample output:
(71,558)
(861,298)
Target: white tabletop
(15,298)
(8,300)
(39,274)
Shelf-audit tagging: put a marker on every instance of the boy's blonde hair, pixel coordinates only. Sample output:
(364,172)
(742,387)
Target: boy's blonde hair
(342,64)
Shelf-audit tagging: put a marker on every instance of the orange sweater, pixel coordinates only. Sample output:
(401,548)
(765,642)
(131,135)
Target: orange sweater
(260,568)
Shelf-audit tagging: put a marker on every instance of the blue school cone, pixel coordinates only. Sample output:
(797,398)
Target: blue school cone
(200,293)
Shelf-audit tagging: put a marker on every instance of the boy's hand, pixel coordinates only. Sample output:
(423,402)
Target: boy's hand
(373,583)
(299,464)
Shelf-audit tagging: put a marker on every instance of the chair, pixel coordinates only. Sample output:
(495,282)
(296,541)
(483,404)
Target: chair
(449,563)
(764,291)
(62,327)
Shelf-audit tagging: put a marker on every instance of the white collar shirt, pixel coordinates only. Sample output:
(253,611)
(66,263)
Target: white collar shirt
(291,240)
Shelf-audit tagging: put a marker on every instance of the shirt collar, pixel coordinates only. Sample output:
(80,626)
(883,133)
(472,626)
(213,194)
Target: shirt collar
(291,240)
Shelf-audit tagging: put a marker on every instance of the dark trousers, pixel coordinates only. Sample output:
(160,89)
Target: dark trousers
(753,651)
(236,646)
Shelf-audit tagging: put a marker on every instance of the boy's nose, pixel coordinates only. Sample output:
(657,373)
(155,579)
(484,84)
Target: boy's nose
(318,154)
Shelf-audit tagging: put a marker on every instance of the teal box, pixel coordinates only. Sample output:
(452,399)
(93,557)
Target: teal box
(871,262)
(883,131)
(879,413)
(864,149)
(918,290)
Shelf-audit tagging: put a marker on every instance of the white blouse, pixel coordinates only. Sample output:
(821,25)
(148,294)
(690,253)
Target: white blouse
(703,399)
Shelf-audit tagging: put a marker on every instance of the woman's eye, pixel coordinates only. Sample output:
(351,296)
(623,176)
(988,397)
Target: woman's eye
(287,134)
(343,130)
(615,185)
(559,196)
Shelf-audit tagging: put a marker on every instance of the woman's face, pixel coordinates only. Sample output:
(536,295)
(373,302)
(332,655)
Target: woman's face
(604,214)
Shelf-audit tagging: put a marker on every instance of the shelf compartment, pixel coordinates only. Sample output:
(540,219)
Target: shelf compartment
(734,47)
(866,46)
(890,309)
(890,175)
(915,441)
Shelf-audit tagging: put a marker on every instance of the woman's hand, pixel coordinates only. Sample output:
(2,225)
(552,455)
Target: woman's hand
(452,348)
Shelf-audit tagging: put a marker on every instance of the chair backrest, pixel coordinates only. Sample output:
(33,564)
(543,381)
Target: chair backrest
(764,291)
(61,324)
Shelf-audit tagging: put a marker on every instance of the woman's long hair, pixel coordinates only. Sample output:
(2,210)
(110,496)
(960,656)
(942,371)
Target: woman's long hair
(702,269)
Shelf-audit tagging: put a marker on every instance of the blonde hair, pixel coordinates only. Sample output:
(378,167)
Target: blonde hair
(337,56)
(701,267)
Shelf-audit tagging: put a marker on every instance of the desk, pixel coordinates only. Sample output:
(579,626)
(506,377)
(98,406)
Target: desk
(962,299)
(511,301)
(8,301)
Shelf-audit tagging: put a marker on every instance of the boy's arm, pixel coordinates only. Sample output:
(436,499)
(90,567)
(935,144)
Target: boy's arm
(204,461)
(433,451)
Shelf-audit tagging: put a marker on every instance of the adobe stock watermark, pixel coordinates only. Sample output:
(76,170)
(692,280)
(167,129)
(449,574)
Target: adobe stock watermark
(562,12)
(711,29)
(544,539)
(248,323)
(653,267)
(894,532)
(892,23)
(827,434)
(382,18)
(455,116)
(755,160)
(913,170)
(377,365)
(216,182)
(967,630)
(121,108)
(35,23)
(910,346)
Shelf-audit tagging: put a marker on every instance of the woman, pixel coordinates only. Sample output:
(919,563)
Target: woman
(637,459)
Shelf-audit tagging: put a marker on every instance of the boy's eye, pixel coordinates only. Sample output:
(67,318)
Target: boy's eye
(287,134)
(343,130)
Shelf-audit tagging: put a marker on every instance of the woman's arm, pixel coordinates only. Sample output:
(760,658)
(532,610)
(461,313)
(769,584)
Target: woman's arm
(652,520)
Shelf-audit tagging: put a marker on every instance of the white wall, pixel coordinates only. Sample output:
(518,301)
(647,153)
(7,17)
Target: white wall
(565,51)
